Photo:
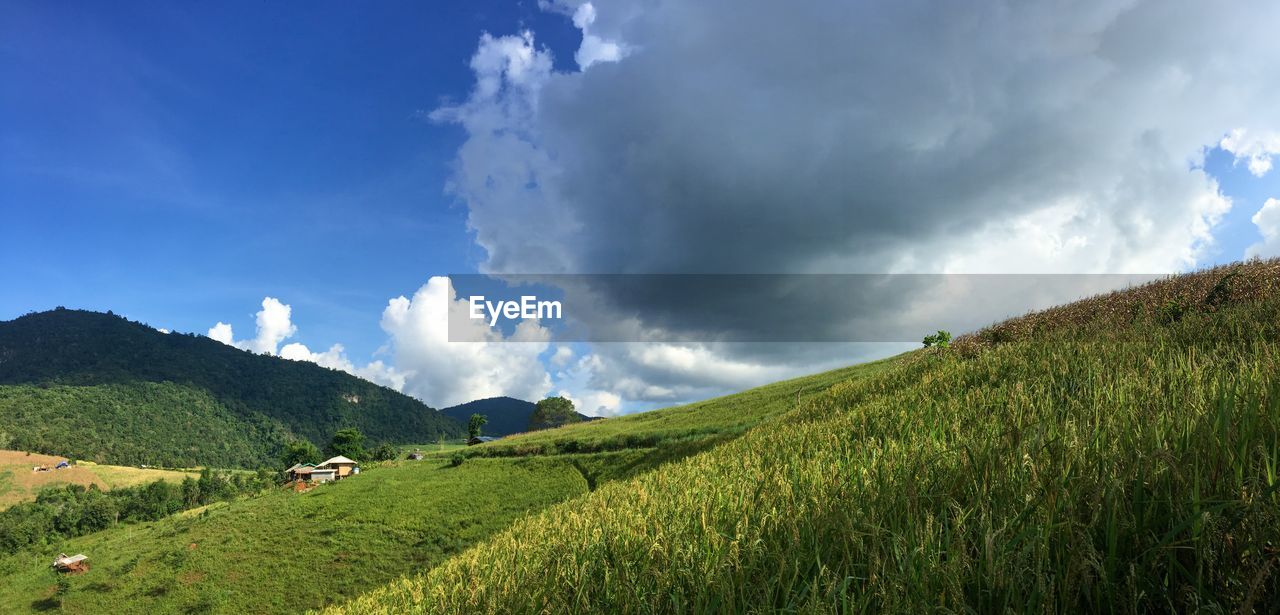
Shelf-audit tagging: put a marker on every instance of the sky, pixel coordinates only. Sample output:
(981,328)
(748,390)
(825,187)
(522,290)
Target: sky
(292,178)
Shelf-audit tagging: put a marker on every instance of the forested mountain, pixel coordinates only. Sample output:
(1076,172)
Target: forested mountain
(97,386)
(506,415)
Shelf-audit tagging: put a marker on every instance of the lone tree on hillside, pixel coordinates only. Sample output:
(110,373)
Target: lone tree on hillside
(475,424)
(553,412)
(349,443)
(300,451)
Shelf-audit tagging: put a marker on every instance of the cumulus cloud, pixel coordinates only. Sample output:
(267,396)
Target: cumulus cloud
(445,373)
(336,358)
(850,137)
(222,333)
(1254,149)
(562,356)
(1268,222)
(274,325)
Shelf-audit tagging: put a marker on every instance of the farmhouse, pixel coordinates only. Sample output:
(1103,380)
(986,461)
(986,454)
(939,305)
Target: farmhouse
(341,466)
(480,440)
(333,469)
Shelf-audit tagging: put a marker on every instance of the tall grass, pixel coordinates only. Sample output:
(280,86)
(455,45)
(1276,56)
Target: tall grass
(1088,466)
(716,419)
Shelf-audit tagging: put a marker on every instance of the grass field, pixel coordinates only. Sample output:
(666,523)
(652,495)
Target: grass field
(284,552)
(18,483)
(715,419)
(1103,459)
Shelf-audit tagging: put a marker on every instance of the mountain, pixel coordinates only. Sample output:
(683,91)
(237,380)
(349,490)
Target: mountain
(506,415)
(97,386)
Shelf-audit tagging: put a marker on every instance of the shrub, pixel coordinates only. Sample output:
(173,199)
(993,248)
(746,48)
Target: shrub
(941,339)
(457,459)
(1172,311)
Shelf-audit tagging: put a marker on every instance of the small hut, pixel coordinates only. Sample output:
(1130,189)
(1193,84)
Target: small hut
(73,564)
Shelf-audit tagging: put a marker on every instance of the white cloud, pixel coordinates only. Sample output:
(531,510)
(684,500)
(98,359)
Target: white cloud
(1255,149)
(1268,222)
(274,325)
(222,333)
(593,48)
(562,356)
(336,358)
(444,373)
(906,137)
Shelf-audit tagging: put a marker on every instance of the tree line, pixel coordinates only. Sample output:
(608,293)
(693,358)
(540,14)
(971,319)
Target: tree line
(66,511)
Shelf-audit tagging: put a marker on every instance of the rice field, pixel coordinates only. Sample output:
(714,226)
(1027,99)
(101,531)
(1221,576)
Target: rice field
(700,423)
(1100,457)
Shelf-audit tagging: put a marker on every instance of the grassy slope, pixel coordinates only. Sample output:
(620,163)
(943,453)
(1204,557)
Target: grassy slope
(284,552)
(397,519)
(19,484)
(715,419)
(1102,458)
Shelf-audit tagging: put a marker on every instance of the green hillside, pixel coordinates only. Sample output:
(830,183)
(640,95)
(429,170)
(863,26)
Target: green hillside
(262,555)
(284,552)
(97,386)
(1121,453)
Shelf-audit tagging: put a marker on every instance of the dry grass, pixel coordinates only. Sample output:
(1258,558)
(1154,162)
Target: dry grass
(19,483)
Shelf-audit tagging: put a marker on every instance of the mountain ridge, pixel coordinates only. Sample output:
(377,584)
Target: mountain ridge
(506,415)
(66,375)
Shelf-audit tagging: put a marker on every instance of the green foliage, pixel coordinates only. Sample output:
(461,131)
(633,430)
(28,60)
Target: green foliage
(99,387)
(553,412)
(384,452)
(300,451)
(941,339)
(456,459)
(1069,469)
(1171,311)
(475,424)
(72,510)
(349,443)
(137,423)
(286,552)
(1224,291)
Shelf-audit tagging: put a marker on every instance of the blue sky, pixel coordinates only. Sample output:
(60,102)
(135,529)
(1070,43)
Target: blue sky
(177,163)
(180,163)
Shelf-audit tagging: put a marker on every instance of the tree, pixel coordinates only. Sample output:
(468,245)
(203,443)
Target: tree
(941,339)
(553,412)
(300,451)
(349,443)
(384,452)
(475,424)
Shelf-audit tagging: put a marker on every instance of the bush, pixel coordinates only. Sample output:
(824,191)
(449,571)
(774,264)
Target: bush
(941,339)
(457,459)
(1172,311)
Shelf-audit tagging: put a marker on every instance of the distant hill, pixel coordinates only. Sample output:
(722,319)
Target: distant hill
(507,415)
(97,386)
